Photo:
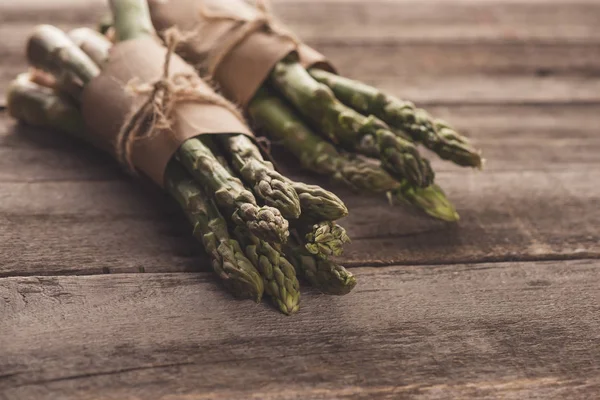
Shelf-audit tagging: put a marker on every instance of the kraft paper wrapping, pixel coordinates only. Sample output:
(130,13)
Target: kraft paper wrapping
(107,103)
(245,67)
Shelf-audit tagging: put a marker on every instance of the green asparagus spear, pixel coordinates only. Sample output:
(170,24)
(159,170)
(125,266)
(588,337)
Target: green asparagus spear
(317,203)
(227,258)
(436,135)
(279,275)
(230,194)
(131,19)
(368,135)
(325,275)
(261,176)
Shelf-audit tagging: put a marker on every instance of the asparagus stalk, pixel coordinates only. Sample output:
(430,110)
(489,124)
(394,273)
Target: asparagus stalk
(368,135)
(132,20)
(281,124)
(325,275)
(261,176)
(227,257)
(436,135)
(278,273)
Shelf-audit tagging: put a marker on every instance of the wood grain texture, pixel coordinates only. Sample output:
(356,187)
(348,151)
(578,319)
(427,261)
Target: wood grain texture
(495,20)
(426,51)
(434,73)
(509,330)
(465,311)
(76,227)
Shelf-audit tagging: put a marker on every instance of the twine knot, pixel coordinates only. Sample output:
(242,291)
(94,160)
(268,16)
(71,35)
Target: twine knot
(155,115)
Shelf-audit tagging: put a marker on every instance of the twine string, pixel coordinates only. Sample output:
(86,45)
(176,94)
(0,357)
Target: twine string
(155,115)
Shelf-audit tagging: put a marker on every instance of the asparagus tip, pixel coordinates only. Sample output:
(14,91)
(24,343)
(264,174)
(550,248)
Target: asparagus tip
(326,239)
(290,306)
(265,222)
(431,200)
(482,162)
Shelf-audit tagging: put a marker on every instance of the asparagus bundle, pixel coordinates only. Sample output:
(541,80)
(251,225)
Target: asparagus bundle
(251,260)
(356,132)
(42,107)
(319,206)
(292,97)
(316,154)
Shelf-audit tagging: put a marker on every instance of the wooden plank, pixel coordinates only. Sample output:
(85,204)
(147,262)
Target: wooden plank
(507,330)
(445,21)
(415,20)
(29,154)
(78,227)
(512,215)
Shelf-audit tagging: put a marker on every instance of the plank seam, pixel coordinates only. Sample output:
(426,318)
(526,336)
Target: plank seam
(483,260)
(367,264)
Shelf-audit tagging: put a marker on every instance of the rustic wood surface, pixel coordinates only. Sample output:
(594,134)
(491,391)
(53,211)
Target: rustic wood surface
(504,305)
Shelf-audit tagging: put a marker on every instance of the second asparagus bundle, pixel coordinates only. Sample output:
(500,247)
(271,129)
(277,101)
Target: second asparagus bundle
(88,90)
(335,126)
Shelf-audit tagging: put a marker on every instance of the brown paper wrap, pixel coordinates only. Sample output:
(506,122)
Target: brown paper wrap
(244,68)
(107,104)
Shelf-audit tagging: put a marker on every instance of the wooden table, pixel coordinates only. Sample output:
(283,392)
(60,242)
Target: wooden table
(105,295)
